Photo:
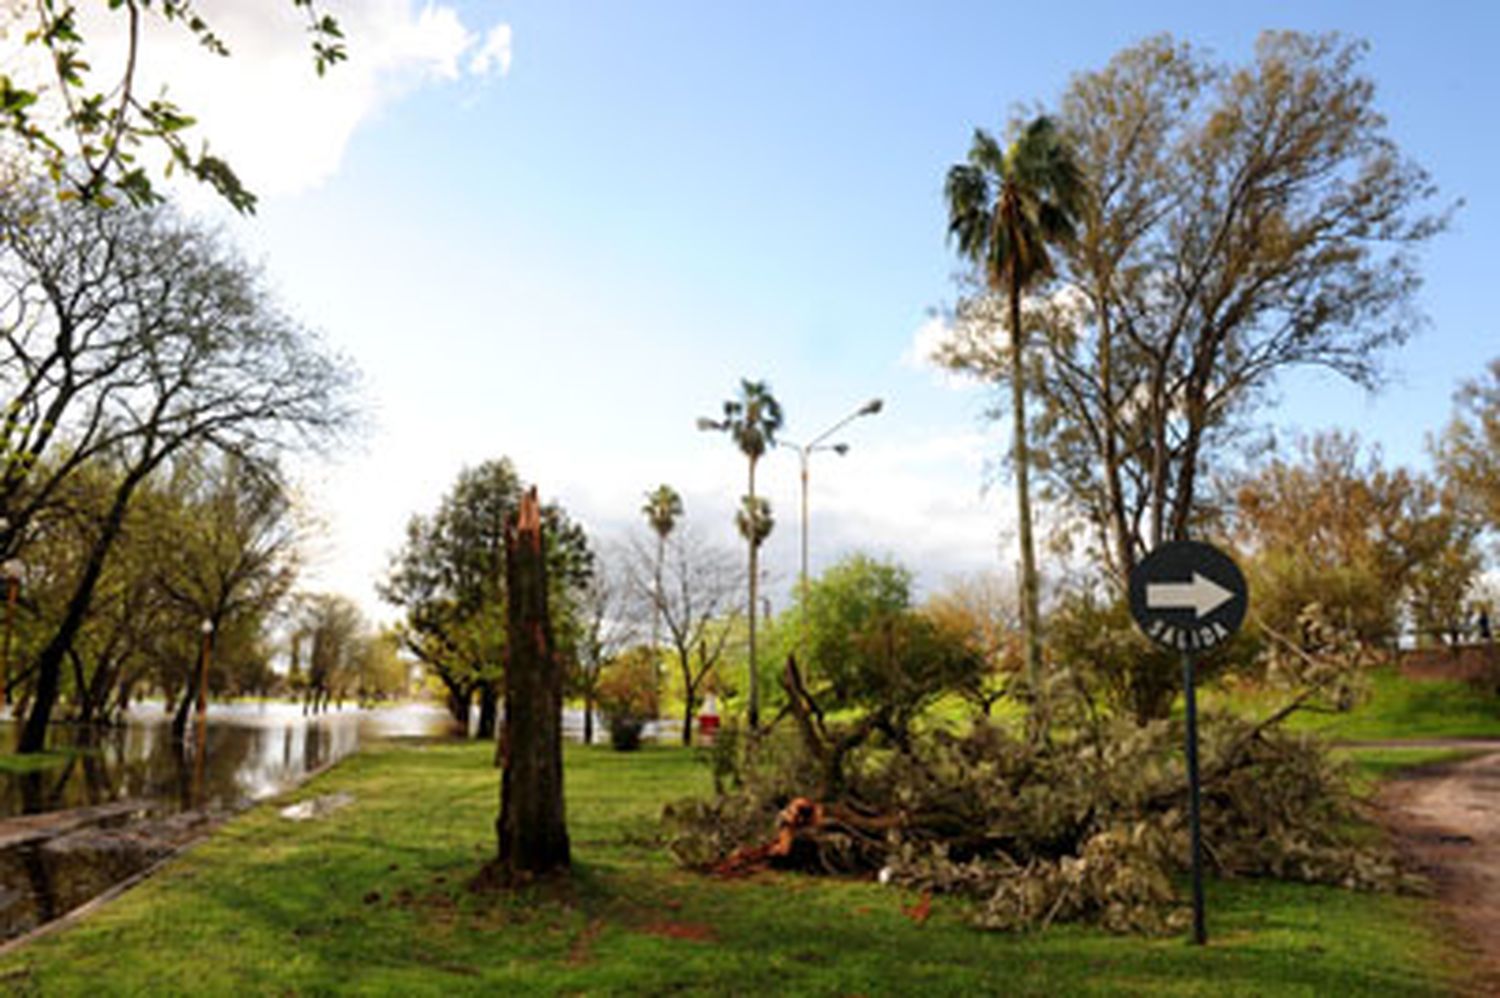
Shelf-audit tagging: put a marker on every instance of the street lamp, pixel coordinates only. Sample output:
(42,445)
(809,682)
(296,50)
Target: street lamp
(804,451)
(207,627)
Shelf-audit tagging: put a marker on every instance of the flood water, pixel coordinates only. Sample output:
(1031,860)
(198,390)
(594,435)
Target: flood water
(254,751)
(129,796)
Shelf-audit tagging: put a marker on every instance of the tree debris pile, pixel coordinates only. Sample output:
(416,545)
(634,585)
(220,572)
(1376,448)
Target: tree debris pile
(1086,825)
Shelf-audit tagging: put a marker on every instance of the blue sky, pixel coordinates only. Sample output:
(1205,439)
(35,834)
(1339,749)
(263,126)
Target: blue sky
(569,255)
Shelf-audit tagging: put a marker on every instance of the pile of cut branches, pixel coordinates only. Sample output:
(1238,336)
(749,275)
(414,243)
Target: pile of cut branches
(1087,825)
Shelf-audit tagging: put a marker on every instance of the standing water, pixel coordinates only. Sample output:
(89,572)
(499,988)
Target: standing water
(122,798)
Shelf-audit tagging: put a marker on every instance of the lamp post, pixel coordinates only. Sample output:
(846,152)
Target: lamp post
(804,452)
(207,627)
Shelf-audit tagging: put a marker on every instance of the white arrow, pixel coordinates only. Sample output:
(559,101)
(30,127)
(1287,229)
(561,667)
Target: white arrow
(1203,596)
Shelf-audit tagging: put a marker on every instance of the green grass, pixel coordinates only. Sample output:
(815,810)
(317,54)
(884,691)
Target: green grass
(1397,708)
(14,763)
(1371,766)
(373,900)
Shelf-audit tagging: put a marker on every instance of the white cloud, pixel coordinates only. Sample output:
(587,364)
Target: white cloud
(492,57)
(264,109)
(921,354)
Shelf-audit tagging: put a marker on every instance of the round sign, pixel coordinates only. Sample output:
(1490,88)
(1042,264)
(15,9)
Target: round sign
(1188,596)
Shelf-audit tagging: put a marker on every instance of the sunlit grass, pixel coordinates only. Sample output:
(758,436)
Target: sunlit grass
(372,899)
(1371,766)
(1397,708)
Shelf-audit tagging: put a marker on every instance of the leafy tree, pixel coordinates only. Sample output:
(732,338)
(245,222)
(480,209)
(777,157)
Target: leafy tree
(984,610)
(1004,208)
(87,135)
(231,551)
(383,673)
(203,539)
(1365,543)
(752,421)
(336,636)
(1469,451)
(135,336)
(630,695)
(1245,220)
(449,579)
(871,653)
(662,509)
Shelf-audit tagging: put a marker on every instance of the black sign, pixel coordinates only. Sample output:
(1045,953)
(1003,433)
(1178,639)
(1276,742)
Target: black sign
(1188,597)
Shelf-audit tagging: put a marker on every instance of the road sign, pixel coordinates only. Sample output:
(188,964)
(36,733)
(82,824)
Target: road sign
(1188,596)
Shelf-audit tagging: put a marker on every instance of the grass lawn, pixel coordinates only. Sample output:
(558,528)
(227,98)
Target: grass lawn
(1396,708)
(372,899)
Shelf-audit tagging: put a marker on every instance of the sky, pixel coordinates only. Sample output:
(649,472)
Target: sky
(562,231)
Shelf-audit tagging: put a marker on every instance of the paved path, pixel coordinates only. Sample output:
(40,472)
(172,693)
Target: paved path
(1447,820)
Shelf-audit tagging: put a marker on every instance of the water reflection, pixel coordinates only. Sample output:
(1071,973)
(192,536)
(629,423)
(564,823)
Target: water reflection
(253,752)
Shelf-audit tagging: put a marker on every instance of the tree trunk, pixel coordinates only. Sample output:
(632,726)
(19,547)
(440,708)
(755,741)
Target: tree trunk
(180,715)
(1030,614)
(754,581)
(488,697)
(49,663)
(687,720)
(661,554)
(458,706)
(588,719)
(532,827)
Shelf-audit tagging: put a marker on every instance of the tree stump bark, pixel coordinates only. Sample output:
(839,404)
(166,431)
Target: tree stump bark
(532,828)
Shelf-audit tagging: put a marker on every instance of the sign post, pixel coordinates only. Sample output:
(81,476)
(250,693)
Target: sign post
(1189,597)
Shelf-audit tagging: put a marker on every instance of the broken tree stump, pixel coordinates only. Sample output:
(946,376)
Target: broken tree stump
(532,827)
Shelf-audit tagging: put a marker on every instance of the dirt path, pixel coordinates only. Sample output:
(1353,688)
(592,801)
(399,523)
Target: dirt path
(1447,821)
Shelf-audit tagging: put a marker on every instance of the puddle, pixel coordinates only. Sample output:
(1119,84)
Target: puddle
(317,807)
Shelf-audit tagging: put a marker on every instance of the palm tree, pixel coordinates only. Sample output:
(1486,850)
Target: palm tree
(754,520)
(663,507)
(1004,208)
(751,420)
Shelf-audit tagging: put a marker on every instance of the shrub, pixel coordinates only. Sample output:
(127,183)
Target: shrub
(629,695)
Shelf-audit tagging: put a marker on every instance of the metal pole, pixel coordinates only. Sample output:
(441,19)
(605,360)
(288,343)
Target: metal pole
(803,452)
(203,682)
(1200,929)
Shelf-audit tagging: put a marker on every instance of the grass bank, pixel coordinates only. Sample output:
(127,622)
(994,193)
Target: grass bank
(1396,708)
(373,899)
(1371,766)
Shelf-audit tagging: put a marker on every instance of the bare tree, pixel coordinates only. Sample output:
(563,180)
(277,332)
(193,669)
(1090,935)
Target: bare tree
(606,628)
(700,588)
(132,334)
